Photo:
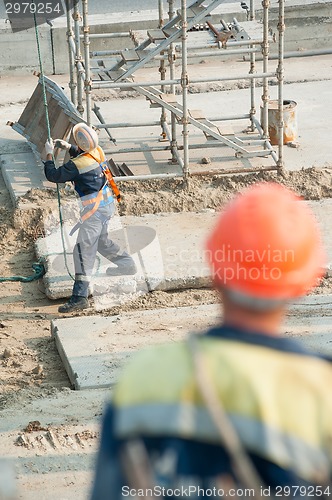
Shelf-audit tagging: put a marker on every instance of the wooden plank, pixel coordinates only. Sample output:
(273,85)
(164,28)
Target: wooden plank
(196,114)
(32,106)
(156,35)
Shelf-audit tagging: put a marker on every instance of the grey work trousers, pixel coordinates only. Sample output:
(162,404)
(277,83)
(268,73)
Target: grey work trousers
(92,238)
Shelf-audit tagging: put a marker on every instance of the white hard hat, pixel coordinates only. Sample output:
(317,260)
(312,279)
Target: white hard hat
(85,137)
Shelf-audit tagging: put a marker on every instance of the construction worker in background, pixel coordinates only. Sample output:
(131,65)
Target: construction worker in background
(239,410)
(88,171)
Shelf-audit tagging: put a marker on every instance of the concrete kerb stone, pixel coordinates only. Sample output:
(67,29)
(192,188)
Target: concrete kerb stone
(21,171)
(167,249)
(94,348)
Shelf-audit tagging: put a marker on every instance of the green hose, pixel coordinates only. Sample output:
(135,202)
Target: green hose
(39,271)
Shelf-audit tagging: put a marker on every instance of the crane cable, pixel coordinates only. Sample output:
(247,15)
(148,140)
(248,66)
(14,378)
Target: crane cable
(42,80)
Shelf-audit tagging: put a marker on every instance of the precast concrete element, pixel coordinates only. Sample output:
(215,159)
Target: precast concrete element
(94,348)
(167,259)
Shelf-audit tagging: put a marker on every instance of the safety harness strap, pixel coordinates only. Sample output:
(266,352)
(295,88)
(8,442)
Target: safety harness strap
(108,174)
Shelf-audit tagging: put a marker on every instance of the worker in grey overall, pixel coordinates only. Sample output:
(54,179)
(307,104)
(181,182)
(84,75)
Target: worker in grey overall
(84,169)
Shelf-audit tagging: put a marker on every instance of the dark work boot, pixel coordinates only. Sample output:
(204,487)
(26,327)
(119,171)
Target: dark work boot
(125,266)
(75,303)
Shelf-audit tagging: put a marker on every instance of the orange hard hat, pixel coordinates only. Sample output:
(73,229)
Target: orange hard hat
(266,245)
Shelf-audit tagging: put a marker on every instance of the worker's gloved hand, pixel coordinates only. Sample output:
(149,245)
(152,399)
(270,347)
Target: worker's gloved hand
(49,147)
(59,143)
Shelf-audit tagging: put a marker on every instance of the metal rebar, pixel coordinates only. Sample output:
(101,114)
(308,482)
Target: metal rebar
(265,48)
(280,74)
(71,61)
(184,86)
(78,58)
(86,43)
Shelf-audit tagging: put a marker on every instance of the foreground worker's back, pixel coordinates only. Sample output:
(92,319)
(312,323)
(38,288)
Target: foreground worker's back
(277,396)
(240,406)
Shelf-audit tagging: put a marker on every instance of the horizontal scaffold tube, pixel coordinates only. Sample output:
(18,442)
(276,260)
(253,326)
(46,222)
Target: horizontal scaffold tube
(128,85)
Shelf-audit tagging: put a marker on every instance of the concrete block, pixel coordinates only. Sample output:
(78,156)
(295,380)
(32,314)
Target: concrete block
(167,249)
(21,172)
(94,348)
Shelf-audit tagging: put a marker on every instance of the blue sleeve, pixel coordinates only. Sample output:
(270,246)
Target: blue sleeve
(67,172)
(108,479)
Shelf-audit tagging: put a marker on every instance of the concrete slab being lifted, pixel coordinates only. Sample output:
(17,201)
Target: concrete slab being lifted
(167,248)
(94,348)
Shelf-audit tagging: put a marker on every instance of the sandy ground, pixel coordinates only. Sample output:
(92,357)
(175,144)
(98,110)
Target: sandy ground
(57,450)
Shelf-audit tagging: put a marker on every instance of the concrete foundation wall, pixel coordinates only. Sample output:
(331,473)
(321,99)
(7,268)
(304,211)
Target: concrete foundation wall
(308,26)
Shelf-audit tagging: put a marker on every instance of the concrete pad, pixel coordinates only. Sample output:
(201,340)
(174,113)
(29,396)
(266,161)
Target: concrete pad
(21,171)
(167,249)
(94,348)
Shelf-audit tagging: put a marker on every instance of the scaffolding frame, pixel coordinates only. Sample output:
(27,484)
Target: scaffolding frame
(120,76)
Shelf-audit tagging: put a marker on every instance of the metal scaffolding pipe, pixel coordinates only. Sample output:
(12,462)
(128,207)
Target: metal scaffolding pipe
(252,71)
(78,58)
(78,64)
(155,123)
(128,85)
(71,61)
(162,67)
(103,53)
(107,35)
(86,43)
(184,86)
(267,142)
(265,95)
(280,74)
(236,43)
(171,61)
(175,151)
(252,12)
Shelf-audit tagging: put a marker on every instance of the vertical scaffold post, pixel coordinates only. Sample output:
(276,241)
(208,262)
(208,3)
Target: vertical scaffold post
(78,58)
(86,43)
(252,71)
(265,96)
(280,74)
(70,38)
(184,85)
(162,68)
(171,60)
